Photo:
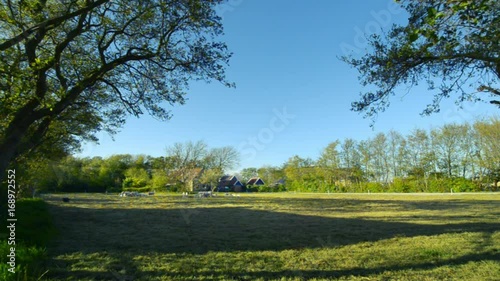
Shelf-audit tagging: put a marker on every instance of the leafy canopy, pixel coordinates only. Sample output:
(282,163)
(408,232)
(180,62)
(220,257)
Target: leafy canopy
(69,69)
(452,45)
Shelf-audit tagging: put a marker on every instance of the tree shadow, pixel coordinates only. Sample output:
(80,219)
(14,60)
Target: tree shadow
(124,270)
(343,205)
(308,274)
(123,233)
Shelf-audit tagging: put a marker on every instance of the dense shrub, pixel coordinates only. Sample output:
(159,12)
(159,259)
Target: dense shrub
(463,185)
(403,185)
(34,229)
(279,188)
(371,187)
(399,185)
(265,188)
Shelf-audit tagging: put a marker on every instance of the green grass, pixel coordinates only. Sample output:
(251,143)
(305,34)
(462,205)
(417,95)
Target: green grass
(276,237)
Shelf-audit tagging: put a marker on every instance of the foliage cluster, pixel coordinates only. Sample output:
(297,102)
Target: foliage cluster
(69,69)
(266,188)
(452,46)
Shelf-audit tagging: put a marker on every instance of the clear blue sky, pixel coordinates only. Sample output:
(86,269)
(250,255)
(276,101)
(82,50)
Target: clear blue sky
(286,59)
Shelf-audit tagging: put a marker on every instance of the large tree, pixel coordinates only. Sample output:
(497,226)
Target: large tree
(452,45)
(71,68)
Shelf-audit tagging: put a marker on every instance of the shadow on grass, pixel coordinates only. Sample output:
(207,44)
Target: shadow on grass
(114,271)
(199,230)
(123,233)
(436,204)
(307,274)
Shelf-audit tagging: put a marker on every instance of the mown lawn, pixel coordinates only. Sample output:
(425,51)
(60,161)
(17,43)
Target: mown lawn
(276,237)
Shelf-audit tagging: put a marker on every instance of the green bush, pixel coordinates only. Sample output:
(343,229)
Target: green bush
(410,184)
(372,187)
(438,185)
(280,188)
(265,188)
(463,185)
(30,262)
(34,229)
(403,185)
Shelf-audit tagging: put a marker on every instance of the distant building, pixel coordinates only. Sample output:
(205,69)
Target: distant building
(255,181)
(230,183)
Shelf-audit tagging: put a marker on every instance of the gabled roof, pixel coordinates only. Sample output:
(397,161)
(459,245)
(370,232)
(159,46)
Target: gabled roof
(227,178)
(229,181)
(255,181)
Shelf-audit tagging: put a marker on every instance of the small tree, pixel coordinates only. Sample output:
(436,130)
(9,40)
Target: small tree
(210,178)
(159,179)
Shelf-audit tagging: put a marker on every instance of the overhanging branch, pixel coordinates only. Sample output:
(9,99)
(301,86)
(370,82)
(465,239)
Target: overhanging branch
(49,24)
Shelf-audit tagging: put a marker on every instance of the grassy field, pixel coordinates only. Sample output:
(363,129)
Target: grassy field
(276,237)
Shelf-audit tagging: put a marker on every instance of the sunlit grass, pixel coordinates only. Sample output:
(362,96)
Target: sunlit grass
(277,237)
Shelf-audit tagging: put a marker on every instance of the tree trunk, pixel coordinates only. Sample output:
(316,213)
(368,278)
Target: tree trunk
(10,145)
(7,154)
(4,165)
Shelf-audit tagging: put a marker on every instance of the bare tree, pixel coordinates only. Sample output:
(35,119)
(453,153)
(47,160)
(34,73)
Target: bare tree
(395,145)
(187,155)
(223,158)
(446,141)
(381,159)
(187,161)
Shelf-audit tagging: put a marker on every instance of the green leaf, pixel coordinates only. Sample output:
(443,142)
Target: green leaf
(413,37)
(431,12)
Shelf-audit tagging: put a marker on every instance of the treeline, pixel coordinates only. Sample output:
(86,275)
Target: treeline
(458,157)
(129,172)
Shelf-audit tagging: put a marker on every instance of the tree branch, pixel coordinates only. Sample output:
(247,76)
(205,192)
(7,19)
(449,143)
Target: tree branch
(61,46)
(49,24)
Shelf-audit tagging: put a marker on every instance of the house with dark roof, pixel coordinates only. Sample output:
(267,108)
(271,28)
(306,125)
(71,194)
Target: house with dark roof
(255,181)
(230,183)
